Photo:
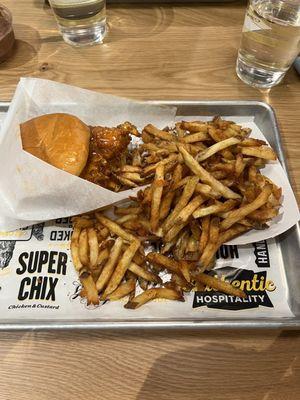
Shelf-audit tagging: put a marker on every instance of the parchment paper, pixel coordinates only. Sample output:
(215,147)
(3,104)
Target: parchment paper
(32,190)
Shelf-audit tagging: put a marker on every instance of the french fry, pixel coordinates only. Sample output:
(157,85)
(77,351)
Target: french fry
(115,228)
(154,293)
(183,201)
(84,247)
(216,148)
(217,284)
(196,137)
(185,270)
(236,215)
(215,209)
(81,223)
(156,197)
(212,244)
(125,181)
(192,245)
(239,165)
(143,273)
(263,215)
(261,152)
(90,289)
(75,250)
(174,231)
(102,256)
(159,133)
(181,245)
(164,261)
(127,210)
(194,126)
(110,265)
(121,267)
(130,168)
(231,233)
(205,233)
(126,218)
(151,168)
(205,176)
(143,283)
(188,210)
(93,247)
(123,290)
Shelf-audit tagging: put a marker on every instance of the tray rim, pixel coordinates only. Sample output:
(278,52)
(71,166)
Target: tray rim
(291,323)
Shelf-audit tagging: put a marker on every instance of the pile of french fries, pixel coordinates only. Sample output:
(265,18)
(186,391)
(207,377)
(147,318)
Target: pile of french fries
(205,189)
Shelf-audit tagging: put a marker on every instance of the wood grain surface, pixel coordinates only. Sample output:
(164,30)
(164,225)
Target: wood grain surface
(151,52)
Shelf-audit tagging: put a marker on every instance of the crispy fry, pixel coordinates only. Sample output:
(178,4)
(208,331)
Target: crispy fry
(174,231)
(123,290)
(205,232)
(185,270)
(219,285)
(93,246)
(75,250)
(143,273)
(194,126)
(212,244)
(151,294)
(90,289)
(126,218)
(156,197)
(125,181)
(188,210)
(183,201)
(102,256)
(215,209)
(206,177)
(115,228)
(164,261)
(151,168)
(127,210)
(216,147)
(262,152)
(236,215)
(110,265)
(81,223)
(84,247)
(196,137)
(158,133)
(122,267)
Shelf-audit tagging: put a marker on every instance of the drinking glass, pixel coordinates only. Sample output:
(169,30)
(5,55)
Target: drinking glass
(81,22)
(270,41)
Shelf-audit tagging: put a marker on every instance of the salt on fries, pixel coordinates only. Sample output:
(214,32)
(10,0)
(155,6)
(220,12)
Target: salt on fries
(205,189)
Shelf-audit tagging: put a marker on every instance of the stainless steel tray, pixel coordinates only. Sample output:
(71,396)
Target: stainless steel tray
(288,243)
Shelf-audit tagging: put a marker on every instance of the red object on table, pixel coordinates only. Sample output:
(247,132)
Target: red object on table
(7,37)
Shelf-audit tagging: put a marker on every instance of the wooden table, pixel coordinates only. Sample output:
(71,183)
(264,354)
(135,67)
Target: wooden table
(159,52)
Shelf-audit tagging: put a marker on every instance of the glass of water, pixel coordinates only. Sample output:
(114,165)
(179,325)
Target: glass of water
(270,41)
(81,22)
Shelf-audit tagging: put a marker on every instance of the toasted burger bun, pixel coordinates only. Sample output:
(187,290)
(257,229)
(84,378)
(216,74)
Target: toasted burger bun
(59,139)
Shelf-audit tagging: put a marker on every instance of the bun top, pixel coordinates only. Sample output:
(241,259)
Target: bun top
(58,139)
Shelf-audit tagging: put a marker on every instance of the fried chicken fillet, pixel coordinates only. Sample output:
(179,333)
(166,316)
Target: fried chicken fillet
(107,145)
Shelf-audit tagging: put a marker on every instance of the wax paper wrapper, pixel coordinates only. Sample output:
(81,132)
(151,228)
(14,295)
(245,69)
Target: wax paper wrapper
(32,190)
(38,282)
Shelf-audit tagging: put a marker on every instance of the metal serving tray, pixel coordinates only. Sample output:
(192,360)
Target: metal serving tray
(288,243)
